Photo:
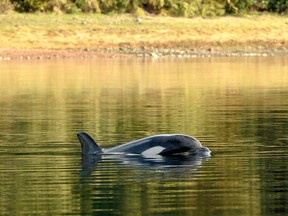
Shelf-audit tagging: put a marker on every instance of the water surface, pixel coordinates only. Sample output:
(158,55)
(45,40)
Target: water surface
(238,107)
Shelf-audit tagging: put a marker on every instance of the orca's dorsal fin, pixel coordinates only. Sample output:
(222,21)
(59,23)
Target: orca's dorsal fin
(88,144)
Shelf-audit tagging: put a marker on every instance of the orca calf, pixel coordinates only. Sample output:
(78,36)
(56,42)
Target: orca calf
(164,145)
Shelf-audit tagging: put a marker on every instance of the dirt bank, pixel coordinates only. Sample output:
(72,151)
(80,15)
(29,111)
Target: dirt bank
(50,36)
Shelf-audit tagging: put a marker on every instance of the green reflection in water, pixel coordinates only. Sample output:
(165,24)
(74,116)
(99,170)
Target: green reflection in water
(237,107)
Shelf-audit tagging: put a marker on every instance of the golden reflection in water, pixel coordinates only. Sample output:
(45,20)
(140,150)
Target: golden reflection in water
(189,89)
(78,76)
(116,96)
(121,98)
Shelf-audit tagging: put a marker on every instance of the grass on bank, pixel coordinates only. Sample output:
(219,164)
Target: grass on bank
(104,31)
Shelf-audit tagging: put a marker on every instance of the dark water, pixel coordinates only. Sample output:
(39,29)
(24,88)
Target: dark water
(238,107)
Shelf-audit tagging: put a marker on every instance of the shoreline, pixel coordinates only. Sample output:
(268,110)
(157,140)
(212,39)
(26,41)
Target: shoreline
(50,36)
(7,54)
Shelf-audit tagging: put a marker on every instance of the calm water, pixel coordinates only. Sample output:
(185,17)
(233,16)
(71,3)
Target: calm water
(238,107)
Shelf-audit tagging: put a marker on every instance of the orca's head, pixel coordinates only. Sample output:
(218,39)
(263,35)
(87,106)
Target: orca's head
(201,152)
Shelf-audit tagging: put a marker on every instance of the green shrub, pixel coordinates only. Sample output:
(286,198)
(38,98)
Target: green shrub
(152,6)
(183,9)
(71,8)
(186,8)
(108,6)
(210,8)
(279,6)
(196,8)
(87,6)
(29,5)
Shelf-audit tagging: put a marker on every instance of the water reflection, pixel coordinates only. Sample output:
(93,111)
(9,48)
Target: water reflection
(169,164)
(237,107)
(135,185)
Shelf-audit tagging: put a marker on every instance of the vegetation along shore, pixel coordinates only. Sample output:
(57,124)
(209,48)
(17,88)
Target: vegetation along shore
(137,28)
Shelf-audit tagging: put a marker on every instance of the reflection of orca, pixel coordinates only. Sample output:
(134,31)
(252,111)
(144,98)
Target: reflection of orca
(165,164)
(153,146)
(160,166)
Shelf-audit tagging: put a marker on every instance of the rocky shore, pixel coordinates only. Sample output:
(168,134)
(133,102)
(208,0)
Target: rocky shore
(193,53)
(121,52)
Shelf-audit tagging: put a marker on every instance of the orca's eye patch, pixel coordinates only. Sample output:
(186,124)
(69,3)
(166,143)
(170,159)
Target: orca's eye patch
(173,151)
